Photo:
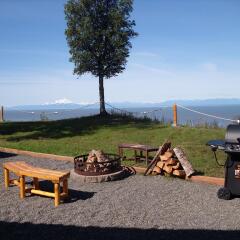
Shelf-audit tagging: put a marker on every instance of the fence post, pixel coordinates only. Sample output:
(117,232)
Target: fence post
(1,114)
(175,115)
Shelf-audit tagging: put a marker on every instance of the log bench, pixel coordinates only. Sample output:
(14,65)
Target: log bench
(22,170)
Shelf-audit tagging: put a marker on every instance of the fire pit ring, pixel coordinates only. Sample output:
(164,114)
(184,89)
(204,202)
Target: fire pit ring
(112,164)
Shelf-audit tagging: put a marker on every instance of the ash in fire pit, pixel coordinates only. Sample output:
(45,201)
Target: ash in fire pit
(98,166)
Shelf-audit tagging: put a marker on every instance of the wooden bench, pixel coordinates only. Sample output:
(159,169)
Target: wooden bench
(22,170)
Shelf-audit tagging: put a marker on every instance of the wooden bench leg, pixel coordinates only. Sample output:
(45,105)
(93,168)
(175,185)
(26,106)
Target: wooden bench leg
(56,194)
(36,183)
(6,178)
(65,187)
(22,187)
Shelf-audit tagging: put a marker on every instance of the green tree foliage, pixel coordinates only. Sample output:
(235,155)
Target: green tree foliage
(98,33)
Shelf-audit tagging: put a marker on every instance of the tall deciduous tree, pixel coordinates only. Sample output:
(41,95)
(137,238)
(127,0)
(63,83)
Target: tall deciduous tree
(98,33)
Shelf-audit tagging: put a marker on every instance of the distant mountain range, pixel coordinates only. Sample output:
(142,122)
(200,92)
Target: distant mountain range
(205,102)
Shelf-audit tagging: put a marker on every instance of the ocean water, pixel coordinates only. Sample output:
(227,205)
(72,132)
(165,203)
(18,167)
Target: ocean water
(163,114)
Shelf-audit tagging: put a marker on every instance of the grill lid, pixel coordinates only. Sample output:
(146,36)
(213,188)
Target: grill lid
(232,134)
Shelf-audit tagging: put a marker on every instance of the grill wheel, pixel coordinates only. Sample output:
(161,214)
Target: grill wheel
(224,193)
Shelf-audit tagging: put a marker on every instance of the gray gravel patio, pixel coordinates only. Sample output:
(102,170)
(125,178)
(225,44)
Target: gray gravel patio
(135,207)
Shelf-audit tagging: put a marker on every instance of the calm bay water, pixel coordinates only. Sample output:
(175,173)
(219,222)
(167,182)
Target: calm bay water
(165,114)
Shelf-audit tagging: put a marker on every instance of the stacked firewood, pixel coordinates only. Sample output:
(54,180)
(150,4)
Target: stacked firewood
(96,156)
(170,161)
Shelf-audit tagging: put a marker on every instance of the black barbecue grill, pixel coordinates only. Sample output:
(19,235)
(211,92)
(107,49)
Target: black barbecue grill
(231,146)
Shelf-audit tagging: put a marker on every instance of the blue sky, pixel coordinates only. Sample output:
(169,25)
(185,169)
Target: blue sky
(186,49)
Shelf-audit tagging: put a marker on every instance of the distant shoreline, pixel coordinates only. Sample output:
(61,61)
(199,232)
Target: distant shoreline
(193,103)
(163,114)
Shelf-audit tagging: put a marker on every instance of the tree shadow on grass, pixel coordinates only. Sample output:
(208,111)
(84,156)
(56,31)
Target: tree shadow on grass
(23,231)
(69,127)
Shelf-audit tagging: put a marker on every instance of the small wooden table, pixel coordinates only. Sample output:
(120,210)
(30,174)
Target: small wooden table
(137,147)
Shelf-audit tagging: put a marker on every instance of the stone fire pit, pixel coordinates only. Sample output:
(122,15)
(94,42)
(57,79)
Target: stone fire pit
(97,166)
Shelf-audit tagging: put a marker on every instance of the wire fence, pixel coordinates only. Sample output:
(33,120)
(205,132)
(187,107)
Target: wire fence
(183,116)
(209,115)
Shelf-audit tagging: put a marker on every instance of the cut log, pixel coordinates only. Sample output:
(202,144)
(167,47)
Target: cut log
(167,169)
(160,164)
(162,149)
(166,156)
(156,170)
(187,166)
(96,156)
(179,173)
(177,166)
(171,161)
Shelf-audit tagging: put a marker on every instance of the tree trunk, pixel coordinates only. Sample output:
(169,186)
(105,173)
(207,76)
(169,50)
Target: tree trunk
(101,97)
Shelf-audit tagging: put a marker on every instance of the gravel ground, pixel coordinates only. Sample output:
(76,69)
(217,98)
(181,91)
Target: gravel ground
(137,207)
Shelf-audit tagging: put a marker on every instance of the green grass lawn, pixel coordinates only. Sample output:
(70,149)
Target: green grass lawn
(78,136)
